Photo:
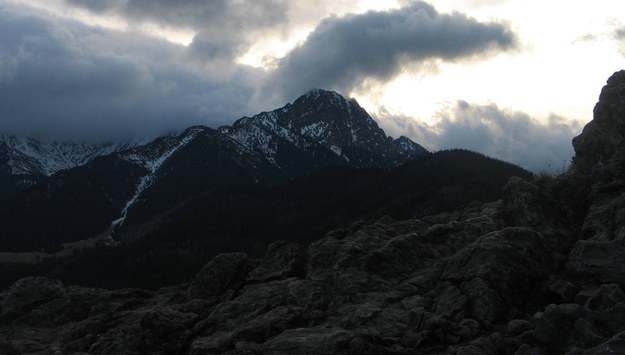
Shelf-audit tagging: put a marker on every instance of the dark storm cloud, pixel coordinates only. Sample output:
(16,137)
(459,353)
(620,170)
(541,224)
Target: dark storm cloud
(342,52)
(508,135)
(98,5)
(195,14)
(224,28)
(60,79)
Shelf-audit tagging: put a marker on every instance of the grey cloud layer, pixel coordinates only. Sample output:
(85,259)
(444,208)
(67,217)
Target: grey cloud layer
(195,14)
(62,80)
(225,28)
(342,52)
(619,36)
(508,135)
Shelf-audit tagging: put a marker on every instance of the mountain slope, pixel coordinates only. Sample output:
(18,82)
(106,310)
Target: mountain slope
(71,205)
(17,171)
(82,202)
(206,160)
(48,158)
(324,119)
(319,129)
(248,216)
(26,161)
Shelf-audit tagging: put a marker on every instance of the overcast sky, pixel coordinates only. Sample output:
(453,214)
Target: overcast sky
(512,79)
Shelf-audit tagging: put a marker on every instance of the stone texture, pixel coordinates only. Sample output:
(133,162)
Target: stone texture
(282,260)
(28,294)
(225,271)
(602,260)
(615,345)
(602,138)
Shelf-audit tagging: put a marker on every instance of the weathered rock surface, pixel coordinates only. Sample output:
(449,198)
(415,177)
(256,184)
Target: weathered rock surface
(225,272)
(540,272)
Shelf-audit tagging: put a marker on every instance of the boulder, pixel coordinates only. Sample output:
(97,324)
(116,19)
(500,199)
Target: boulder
(565,326)
(451,304)
(485,304)
(606,297)
(167,330)
(27,294)
(518,326)
(600,260)
(282,260)
(615,345)
(511,260)
(225,271)
(522,203)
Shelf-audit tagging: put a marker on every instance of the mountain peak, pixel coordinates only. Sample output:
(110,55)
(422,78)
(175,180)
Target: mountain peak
(323,97)
(316,93)
(324,119)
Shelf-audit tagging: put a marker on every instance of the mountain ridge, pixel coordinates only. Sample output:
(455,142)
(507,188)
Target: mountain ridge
(54,156)
(28,160)
(268,148)
(314,115)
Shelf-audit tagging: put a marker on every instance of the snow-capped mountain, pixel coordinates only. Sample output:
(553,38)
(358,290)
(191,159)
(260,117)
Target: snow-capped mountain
(320,128)
(135,189)
(31,156)
(26,161)
(324,119)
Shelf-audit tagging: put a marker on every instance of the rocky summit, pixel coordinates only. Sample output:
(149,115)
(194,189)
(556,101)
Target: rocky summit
(541,271)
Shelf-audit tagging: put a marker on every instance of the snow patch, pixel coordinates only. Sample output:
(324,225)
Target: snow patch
(32,156)
(337,150)
(141,186)
(152,164)
(406,145)
(315,130)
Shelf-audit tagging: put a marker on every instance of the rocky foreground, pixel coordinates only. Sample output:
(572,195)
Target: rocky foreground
(542,271)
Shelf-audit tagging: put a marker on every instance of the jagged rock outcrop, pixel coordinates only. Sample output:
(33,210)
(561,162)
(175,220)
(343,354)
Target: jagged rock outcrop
(600,160)
(540,272)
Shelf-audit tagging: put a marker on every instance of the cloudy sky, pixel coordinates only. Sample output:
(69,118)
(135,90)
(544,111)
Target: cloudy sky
(512,79)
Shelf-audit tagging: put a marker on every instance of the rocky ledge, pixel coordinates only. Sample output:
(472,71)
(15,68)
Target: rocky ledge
(541,271)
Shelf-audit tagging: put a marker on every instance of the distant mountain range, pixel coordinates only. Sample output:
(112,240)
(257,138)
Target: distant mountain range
(295,173)
(79,190)
(26,161)
(318,129)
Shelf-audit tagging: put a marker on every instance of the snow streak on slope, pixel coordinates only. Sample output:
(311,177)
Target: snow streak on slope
(152,163)
(260,134)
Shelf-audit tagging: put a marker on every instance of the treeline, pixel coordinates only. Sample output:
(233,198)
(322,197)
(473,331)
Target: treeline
(247,217)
